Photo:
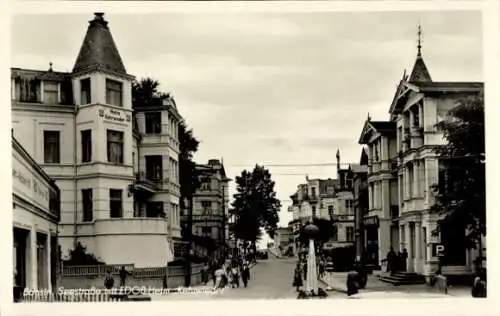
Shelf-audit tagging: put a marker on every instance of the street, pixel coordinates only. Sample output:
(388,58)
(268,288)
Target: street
(270,279)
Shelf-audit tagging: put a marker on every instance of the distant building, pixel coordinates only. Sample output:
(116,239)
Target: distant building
(116,166)
(403,166)
(360,197)
(210,207)
(36,213)
(315,199)
(283,238)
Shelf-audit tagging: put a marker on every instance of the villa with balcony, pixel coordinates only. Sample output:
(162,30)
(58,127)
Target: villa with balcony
(403,166)
(116,164)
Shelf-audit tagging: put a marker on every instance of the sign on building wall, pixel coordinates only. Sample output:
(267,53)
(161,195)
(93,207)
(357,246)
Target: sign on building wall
(27,185)
(114,115)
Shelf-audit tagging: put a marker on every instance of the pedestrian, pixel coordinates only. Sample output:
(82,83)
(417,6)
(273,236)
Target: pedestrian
(297,277)
(123,275)
(204,274)
(391,256)
(304,267)
(245,274)
(404,257)
(165,281)
(352,282)
(219,275)
(479,287)
(109,281)
(321,269)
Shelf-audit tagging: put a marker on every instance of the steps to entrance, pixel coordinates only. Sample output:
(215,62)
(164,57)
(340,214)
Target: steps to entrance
(402,278)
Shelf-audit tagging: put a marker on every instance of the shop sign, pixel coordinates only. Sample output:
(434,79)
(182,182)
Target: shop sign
(114,115)
(371,221)
(25,184)
(437,250)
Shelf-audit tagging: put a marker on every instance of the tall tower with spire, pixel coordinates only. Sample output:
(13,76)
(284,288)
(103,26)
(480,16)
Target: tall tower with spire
(419,72)
(338,160)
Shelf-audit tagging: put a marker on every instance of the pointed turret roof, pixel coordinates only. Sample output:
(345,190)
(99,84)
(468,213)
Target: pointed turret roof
(419,72)
(98,50)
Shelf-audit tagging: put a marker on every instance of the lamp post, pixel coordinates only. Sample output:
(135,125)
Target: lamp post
(311,231)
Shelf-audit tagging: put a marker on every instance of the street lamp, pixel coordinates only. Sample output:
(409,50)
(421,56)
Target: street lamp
(311,232)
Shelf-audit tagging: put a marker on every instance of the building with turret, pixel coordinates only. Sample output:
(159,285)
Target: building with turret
(403,166)
(116,165)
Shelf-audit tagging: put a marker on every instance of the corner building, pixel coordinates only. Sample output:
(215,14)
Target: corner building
(402,168)
(117,169)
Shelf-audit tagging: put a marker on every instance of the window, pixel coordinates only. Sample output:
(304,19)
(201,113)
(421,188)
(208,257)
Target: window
(335,236)
(86,145)
(350,233)
(155,209)
(207,207)
(330,210)
(205,183)
(115,146)
(51,148)
(424,243)
(313,208)
(349,206)
(153,122)
(411,180)
(87,205)
(115,203)
(313,192)
(114,92)
(85,94)
(154,168)
(51,92)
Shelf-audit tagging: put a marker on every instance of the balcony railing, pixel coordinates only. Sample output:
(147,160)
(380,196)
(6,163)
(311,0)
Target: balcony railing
(203,218)
(145,183)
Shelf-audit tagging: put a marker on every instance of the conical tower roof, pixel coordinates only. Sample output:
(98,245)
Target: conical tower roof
(98,50)
(419,72)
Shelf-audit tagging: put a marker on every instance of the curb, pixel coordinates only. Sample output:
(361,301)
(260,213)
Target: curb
(330,288)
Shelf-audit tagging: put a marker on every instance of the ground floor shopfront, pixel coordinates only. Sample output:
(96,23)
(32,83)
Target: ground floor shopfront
(425,252)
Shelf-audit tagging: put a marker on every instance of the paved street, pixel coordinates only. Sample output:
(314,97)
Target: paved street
(270,279)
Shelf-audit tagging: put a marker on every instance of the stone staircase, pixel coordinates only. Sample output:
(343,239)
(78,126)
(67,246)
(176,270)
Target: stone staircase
(402,278)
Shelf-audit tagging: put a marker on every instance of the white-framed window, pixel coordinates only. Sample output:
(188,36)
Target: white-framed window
(114,92)
(50,92)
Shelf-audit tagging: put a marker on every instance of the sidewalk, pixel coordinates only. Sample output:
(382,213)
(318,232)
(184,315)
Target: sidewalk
(336,281)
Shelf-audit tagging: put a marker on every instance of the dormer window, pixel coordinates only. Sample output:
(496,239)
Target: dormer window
(50,92)
(114,92)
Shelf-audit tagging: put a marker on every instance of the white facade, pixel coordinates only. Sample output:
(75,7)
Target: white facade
(97,155)
(403,167)
(35,217)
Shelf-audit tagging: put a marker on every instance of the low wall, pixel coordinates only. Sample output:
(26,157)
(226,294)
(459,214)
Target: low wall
(93,276)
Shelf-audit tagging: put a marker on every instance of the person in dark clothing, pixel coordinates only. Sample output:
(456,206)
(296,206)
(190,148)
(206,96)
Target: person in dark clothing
(297,277)
(245,274)
(109,281)
(391,260)
(123,275)
(404,257)
(352,282)
(165,281)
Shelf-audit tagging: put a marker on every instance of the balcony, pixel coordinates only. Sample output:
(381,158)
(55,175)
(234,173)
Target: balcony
(144,184)
(203,218)
(314,198)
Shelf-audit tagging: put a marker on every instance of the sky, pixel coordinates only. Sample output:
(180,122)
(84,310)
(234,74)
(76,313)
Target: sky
(270,88)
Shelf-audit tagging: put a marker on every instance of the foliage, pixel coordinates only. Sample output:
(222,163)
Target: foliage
(460,195)
(80,257)
(188,177)
(326,231)
(255,205)
(145,93)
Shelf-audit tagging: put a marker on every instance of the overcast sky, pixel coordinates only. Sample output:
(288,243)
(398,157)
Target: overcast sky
(271,88)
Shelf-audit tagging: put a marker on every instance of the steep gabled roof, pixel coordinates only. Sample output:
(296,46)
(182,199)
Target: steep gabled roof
(382,127)
(98,50)
(420,73)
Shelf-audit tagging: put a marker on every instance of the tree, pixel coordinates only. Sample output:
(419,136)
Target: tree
(80,257)
(326,231)
(255,205)
(188,177)
(145,93)
(460,193)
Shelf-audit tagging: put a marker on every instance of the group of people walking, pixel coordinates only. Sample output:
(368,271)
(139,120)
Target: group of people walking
(396,261)
(300,272)
(227,273)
